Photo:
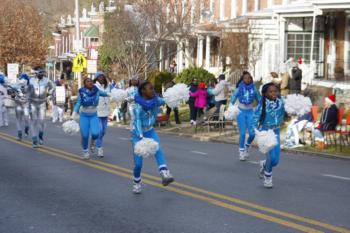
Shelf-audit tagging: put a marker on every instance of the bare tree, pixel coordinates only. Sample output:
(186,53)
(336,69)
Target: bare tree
(240,47)
(21,34)
(235,46)
(134,34)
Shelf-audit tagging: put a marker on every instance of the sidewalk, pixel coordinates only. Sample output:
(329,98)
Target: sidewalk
(231,137)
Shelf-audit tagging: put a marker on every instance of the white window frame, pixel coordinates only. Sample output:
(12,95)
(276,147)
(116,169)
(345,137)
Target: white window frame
(347,46)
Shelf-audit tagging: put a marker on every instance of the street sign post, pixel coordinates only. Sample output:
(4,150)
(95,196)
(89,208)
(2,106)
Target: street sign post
(12,72)
(91,66)
(79,63)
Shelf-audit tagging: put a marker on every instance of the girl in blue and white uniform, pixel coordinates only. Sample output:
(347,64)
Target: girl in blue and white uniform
(88,100)
(246,93)
(269,114)
(145,113)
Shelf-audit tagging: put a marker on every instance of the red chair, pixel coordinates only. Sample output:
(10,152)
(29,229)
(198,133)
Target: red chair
(344,134)
(314,114)
(163,119)
(331,135)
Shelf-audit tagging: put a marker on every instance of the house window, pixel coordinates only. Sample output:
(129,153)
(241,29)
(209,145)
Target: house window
(93,40)
(299,46)
(298,41)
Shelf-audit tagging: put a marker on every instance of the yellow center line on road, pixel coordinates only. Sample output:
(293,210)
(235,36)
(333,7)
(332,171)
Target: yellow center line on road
(126,173)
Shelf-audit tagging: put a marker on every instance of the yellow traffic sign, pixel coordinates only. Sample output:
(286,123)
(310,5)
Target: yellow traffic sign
(79,63)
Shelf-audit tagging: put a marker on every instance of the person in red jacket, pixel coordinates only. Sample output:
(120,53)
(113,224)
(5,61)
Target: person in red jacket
(200,100)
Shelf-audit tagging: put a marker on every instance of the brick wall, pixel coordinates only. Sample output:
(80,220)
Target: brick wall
(263,4)
(250,5)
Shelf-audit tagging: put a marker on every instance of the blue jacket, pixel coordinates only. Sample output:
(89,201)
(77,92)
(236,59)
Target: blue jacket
(211,96)
(88,100)
(246,94)
(274,114)
(145,119)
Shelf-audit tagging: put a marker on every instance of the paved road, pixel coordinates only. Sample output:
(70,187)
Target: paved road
(51,190)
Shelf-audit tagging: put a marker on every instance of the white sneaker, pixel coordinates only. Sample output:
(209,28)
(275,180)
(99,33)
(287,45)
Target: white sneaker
(167,178)
(268,182)
(261,169)
(194,123)
(242,156)
(136,188)
(246,154)
(86,155)
(100,152)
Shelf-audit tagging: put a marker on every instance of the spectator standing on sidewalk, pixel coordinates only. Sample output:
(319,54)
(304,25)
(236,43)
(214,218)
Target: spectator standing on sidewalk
(193,88)
(200,100)
(220,94)
(168,109)
(296,75)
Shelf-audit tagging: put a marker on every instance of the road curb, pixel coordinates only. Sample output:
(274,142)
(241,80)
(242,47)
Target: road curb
(209,139)
(293,151)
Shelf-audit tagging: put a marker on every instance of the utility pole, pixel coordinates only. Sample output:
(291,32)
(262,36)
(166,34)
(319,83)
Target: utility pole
(77,37)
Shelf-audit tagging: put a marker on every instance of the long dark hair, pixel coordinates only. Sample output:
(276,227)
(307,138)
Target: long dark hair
(105,80)
(242,76)
(142,86)
(264,90)
(138,83)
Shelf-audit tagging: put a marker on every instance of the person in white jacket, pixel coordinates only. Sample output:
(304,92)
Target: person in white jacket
(103,109)
(220,93)
(3,96)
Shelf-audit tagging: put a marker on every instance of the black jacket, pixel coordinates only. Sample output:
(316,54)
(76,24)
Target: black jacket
(295,80)
(329,119)
(193,88)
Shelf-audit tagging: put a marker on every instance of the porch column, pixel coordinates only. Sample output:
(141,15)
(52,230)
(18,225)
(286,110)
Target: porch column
(180,56)
(167,58)
(282,43)
(200,51)
(207,52)
(161,58)
(187,53)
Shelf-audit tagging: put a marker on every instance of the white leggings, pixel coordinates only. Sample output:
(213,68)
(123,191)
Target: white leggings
(4,120)
(22,116)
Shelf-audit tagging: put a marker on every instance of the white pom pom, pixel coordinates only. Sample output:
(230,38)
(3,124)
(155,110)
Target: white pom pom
(71,127)
(176,95)
(297,104)
(231,112)
(146,147)
(266,140)
(119,95)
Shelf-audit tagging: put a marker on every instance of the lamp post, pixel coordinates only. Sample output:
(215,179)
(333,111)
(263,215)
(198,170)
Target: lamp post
(77,37)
